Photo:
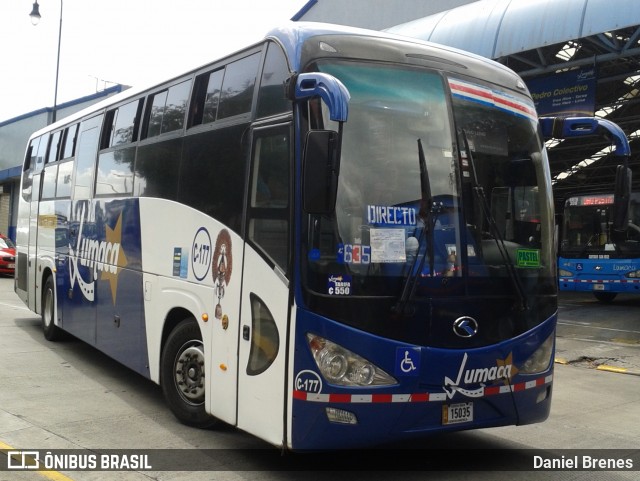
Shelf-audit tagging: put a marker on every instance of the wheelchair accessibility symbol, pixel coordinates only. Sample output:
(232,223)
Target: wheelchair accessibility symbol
(407,361)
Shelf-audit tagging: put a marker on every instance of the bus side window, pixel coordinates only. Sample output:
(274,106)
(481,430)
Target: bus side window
(63,183)
(69,142)
(65,169)
(49,182)
(269,194)
(212,97)
(51,169)
(271,98)
(166,110)
(86,157)
(27,170)
(238,85)
(54,147)
(37,161)
(115,164)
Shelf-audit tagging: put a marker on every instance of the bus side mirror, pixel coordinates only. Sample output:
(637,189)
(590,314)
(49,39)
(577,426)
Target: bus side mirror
(320,169)
(621,198)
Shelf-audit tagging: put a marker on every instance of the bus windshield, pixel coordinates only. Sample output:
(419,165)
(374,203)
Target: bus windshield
(587,228)
(485,226)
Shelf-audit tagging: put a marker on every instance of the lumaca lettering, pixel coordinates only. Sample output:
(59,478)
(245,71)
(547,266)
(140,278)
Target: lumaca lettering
(99,256)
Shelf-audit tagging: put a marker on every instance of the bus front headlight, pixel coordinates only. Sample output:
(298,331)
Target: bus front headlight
(539,361)
(345,368)
(563,273)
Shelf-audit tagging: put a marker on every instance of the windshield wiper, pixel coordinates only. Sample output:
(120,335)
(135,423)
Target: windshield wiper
(495,231)
(428,215)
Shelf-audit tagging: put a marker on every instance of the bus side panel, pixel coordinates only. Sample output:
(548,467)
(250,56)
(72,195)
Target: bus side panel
(100,286)
(262,352)
(183,271)
(120,324)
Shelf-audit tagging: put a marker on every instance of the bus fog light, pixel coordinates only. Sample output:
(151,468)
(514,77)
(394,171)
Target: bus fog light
(341,416)
(342,367)
(542,395)
(539,361)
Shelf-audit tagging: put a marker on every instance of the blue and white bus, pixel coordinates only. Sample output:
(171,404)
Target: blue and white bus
(599,248)
(593,257)
(316,240)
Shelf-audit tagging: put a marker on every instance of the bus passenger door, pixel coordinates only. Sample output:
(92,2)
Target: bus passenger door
(38,152)
(265,307)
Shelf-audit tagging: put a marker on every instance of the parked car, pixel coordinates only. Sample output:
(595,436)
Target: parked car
(7,256)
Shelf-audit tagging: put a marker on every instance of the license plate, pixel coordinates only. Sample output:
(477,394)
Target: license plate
(457,413)
(11,266)
(598,287)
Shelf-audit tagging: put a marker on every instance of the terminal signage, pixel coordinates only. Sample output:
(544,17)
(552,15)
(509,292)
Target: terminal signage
(569,94)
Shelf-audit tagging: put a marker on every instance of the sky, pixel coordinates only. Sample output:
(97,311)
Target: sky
(130,42)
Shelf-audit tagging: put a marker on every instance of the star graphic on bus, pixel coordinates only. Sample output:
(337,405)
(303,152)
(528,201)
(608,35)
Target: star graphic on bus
(510,368)
(114,239)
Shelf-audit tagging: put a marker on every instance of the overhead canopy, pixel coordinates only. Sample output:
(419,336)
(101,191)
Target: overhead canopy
(543,38)
(495,28)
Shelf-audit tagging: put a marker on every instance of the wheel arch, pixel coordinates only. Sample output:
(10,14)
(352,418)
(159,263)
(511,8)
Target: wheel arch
(173,318)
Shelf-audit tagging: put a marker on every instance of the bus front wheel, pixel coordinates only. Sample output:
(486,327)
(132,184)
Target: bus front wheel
(49,328)
(605,296)
(182,375)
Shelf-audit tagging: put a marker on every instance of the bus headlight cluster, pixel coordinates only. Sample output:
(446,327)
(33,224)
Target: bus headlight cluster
(539,361)
(633,274)
(563,273)
(342,367)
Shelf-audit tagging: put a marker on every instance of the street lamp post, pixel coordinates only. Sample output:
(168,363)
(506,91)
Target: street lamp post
(35,18)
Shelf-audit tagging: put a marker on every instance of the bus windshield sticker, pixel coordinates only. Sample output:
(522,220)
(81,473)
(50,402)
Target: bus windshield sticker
(388,215)
(201,251)
(339,285)
(353,254)
(177,260)
(314,254)
(528,257)
(388,245)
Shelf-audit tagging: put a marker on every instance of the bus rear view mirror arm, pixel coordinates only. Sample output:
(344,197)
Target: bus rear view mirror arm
(328,88)
(562,128)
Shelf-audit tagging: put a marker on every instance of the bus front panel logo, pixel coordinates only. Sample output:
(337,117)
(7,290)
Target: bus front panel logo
(465,327)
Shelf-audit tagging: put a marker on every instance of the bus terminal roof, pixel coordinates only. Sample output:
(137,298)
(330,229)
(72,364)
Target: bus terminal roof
(538,38)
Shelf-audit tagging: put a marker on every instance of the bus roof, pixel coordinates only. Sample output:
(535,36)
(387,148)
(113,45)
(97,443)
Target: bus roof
(292,36)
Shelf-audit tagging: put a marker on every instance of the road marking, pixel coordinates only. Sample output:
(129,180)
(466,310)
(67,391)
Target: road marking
(621,370)
(18,306)
(582,324)
(52,475)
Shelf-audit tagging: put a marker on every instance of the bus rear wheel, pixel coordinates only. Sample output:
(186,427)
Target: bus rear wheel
(182,375)
(49,328)
(605,296)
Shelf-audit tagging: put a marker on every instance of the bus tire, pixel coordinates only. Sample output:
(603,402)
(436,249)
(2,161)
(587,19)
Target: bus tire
(182,375)
(49,328)
(605,296)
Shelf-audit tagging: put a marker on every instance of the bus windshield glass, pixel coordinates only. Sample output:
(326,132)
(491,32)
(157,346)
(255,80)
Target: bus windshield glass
(587,228)
(481,225)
